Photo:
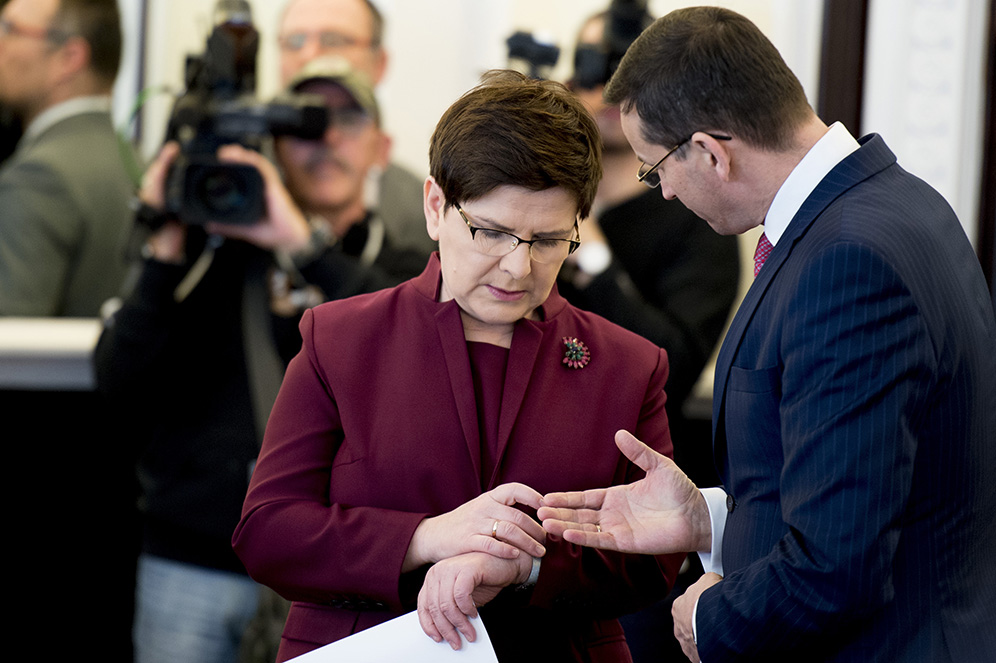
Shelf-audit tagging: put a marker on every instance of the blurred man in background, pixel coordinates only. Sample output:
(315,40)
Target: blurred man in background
(646,263)
(65,192)
(652,266)
(354,30)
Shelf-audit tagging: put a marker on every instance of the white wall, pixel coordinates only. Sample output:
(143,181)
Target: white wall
(924,92)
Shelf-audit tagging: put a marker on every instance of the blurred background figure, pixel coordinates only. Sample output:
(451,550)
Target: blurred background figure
(654,267)
(354,30)
(326,179)
(64,220)
(65,192)
(646,263)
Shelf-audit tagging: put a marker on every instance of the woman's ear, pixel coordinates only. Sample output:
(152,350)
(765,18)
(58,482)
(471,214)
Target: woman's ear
(434,204)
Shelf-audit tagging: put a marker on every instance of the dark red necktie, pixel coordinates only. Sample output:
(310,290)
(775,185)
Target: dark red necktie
(761,253)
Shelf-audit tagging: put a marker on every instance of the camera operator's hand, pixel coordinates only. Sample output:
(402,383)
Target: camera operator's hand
(166,244)
(284,227)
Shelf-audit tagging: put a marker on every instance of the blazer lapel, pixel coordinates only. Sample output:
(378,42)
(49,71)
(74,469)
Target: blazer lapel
(451,338)
(522,357)
(873,157)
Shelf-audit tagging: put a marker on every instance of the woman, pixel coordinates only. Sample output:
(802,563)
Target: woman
(417,429)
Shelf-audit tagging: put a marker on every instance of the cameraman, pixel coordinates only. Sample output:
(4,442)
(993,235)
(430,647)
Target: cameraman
(192,360)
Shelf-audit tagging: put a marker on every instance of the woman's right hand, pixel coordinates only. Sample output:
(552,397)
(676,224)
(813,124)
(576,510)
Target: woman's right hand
(489,523)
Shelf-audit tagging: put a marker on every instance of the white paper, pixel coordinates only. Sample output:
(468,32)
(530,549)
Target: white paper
(402,639)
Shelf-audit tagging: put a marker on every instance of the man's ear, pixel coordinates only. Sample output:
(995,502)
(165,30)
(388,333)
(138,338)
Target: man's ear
(73,58)
(379,65)
(434,203)
(717,152)
(384,145)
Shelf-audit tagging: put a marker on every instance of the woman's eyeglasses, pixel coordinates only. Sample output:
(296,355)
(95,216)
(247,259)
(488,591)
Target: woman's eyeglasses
(499,243)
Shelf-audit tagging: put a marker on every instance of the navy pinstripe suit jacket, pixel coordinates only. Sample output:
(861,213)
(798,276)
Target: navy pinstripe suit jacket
(855,428)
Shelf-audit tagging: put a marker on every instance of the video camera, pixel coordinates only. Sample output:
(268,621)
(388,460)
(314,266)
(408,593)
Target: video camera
(593,64)
(217,108)
(531,56)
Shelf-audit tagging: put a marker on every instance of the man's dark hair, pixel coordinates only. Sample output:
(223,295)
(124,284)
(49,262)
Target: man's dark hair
(518,131)
(709,69)
(99,24)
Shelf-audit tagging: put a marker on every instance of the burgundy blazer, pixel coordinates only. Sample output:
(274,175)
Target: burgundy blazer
(376,428)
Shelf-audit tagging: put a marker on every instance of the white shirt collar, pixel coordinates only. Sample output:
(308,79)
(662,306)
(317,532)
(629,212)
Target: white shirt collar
(55,114)
(835,145)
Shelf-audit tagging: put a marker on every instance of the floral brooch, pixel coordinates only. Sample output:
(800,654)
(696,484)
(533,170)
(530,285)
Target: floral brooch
(577,354)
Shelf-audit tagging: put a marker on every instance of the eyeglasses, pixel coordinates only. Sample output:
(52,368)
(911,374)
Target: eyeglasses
(10,29)
(651,175)
(499,243)
(327,41)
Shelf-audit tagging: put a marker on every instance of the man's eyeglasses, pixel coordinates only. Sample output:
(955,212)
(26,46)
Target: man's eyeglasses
(10,29)
(651,176)
(327,41)
(499,243)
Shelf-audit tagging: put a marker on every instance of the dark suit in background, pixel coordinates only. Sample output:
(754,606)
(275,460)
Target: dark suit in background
(855,428)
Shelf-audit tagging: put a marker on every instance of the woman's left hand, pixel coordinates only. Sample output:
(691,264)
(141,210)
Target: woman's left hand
(455,587)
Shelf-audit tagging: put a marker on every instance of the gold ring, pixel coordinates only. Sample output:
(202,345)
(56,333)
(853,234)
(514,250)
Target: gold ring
(598,528)
(494,530)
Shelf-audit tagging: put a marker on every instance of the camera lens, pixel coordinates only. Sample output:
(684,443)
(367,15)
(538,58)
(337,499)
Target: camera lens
(222,191)
(214,191)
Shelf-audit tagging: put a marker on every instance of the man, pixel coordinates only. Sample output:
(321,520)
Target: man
(326,179)
(65,193)
(193,357)
(854,413)
(354,30)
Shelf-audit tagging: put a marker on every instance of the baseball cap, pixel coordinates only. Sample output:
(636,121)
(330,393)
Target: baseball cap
(338,70)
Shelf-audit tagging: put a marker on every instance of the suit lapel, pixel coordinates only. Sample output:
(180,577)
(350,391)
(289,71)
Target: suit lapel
(873,157)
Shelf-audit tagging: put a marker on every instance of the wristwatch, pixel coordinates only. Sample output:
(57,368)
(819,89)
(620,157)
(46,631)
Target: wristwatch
(533,576)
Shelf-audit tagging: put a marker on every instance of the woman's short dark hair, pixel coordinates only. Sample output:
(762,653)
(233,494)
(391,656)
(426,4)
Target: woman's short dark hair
(99,24)
(514,130)
(709,69)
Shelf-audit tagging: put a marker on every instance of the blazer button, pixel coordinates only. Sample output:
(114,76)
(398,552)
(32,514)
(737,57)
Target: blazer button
(731,503)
